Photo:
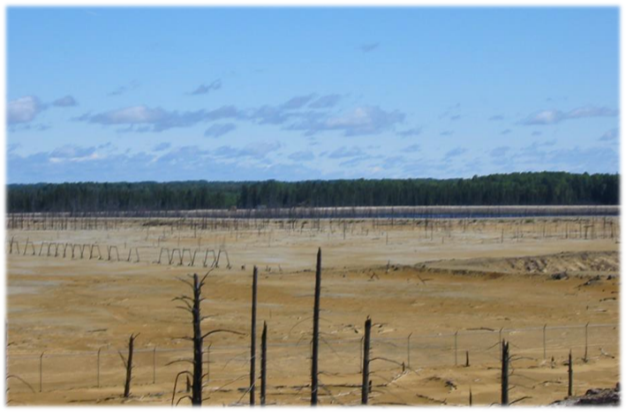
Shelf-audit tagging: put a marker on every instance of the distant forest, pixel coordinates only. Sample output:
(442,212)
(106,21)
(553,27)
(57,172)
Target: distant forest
(545,188)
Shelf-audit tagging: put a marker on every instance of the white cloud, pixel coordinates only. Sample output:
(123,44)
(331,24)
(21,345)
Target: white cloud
(23,109)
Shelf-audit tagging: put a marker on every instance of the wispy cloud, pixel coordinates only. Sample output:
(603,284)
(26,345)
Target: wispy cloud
(297,102)
(505,132)
(161,147)
(457,151)
(364,120)
(73,153)
(66,101)
(325,102)
(23,110)
(134,85)
(610,135)
(548,117)
(205,89)
(415,131)
(496,118)
(369,47)
(157,119)
(218,130)
(258,150)
(302,156)
(447,133)
(412,149)
(499,152)
(344,151)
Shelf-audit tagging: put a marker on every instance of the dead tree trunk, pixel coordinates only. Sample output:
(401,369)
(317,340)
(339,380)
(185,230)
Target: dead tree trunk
(128,363)
(570,375)
(253,337)
(263,363)
(196,386)
(192,305)
(505,374)
(366,362)
(316,327)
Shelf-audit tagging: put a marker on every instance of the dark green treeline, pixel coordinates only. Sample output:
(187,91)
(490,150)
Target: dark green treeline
(545,188)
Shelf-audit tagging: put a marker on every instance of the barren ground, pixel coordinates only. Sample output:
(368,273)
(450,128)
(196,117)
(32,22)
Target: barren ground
(484,279)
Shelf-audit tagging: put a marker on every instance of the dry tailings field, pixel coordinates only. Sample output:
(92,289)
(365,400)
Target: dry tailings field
(440,292)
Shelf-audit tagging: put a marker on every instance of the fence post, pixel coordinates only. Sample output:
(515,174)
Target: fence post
(98,369)
(263,363)
(570,375)
(316,327)
(366,362)
(456,348)
(467,364)
(544,341)
(154,365)
(41,372)
(408,351)
(504,390)
(253,337)
(586,342)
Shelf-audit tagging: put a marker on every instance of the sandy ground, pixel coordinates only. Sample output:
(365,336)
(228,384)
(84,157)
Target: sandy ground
(421,283)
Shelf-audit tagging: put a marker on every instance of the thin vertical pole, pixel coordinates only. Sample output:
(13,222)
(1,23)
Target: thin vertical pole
(41,372)
(316,327)
(586,342)
(263,363)
(253,337)
(154,365)
(408,351)
(366,362)
(456,348)
(544,341)
(570,375)
(98,369)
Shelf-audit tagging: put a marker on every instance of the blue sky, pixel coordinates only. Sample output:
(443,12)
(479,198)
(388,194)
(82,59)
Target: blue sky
(133,94)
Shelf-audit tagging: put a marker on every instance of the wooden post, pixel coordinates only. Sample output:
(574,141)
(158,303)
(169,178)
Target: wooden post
(196,395)
(154,365)
(470,397)
(544,341)
(98,369)
(253,337)
(570,375)
(41,372)
(366,362)
(456,348)
(408,351)
(467,364)
(586,359)
(316,327)
(129,365)
(263,363)
(504,390)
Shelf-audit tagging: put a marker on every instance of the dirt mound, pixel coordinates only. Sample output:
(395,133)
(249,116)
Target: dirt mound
(570,263)
(594,397)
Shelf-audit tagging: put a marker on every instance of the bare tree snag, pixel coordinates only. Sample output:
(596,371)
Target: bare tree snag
(263,363)
(128,364)
(366,362)
(253,336)
(316,328)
